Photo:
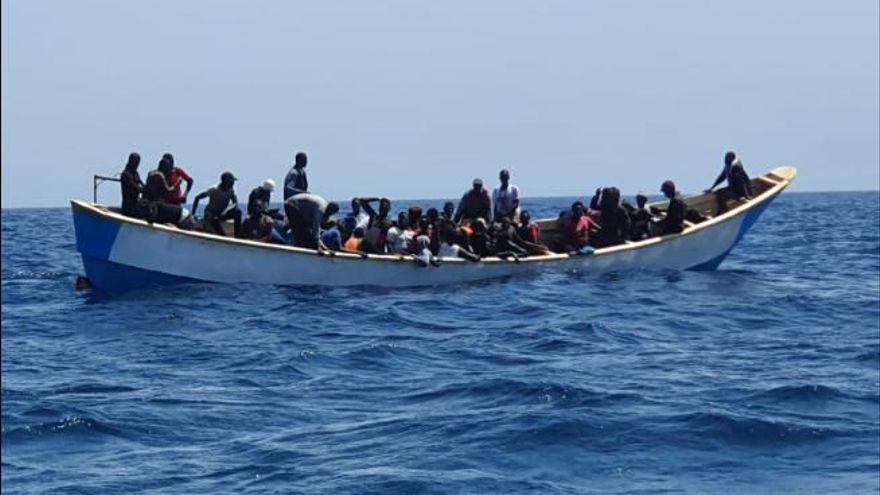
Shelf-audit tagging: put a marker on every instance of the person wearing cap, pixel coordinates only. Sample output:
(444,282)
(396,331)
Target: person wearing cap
(505,199)
(738,183)
(295,181)
(174,176)
(222,206)
(475,203)
(674,221)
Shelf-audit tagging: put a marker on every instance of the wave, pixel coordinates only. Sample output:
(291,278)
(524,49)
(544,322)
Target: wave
(70,426)
(798,393)
(729,428)
(36,275)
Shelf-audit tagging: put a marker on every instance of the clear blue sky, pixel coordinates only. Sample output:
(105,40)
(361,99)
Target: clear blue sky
(414,99)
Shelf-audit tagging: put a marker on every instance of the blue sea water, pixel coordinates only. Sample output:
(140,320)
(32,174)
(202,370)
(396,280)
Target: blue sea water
(761,377)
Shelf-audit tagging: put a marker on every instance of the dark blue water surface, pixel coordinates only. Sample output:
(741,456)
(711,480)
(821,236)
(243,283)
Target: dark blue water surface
(761,377)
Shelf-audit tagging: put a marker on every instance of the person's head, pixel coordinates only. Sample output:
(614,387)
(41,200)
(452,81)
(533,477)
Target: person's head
(610,198)
(227,180)
(448,208)
(668,188)
(432,214)
(256,207)
(134,160)
(729,157)
(641,200)
(384,206)
(355,206)
(332,209)
(348,225)
(358,233)
(165,167)
(169,157)
(415,215)
(504,177)
(577,209)
(402,220)
(480,226)
(525,217)
(478,184)
(301,160)
(268,185)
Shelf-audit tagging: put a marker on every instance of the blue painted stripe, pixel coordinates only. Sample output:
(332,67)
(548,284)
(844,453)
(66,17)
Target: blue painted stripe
(110,276)
(747,223)
(94,235)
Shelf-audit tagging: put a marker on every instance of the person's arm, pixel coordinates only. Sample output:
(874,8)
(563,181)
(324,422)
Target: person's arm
(199,197)
(515,192)
(467,254)
(487,205)
(594,201)
(459,211)
(189,181)
(720,179)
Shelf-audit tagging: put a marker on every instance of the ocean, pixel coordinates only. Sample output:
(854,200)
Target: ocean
(761,377)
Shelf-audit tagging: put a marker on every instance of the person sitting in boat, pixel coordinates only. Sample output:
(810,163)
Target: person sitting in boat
(640,226)
(222,205)
(429,227)
(451,245)
(132,186)
(576,227)
(296,181)
(738,183)
(673,222)
(353,243)
(307,213)
(400,238)
(259,225)
(505,240)
(377,227)
(474,204)
(614,219)
(528,235)
(505,198)
(361,218)
(174,177)
(153,205)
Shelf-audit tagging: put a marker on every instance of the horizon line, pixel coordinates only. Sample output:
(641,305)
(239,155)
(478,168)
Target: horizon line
(44,207)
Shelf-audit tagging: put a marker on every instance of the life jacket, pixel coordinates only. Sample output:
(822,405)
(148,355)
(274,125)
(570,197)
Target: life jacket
(353,243)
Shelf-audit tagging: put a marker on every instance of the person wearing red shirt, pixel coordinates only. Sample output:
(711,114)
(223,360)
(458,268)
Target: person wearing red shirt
(174,178)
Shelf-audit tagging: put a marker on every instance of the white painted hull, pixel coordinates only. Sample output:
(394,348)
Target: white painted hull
(121,253)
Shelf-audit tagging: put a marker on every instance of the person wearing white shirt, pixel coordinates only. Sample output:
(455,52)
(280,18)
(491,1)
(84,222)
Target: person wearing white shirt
(505,199)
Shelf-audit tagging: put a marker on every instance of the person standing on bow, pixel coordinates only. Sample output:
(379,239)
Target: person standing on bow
(174,176)
(505,199)
(296,182)
(132,186)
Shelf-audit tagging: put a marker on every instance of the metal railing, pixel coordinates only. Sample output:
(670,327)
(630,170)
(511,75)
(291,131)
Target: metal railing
(96,181)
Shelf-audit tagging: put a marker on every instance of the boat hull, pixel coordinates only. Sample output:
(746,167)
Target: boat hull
(120,253)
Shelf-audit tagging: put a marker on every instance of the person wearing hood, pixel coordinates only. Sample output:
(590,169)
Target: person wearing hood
(738,183)
(132,186)
(614,219)
(222,206)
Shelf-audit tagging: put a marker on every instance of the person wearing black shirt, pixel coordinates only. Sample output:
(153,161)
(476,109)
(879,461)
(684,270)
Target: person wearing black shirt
(738,183)
(674,221)
(132,185)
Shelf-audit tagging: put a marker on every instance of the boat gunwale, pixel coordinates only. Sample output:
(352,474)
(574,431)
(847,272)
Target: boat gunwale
(780,181)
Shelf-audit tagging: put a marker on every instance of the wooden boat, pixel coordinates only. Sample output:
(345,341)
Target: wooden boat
(121,253)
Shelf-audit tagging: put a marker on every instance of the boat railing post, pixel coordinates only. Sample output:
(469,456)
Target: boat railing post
(96,181)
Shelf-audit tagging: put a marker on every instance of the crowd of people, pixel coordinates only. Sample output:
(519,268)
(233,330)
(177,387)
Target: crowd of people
(480,225)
